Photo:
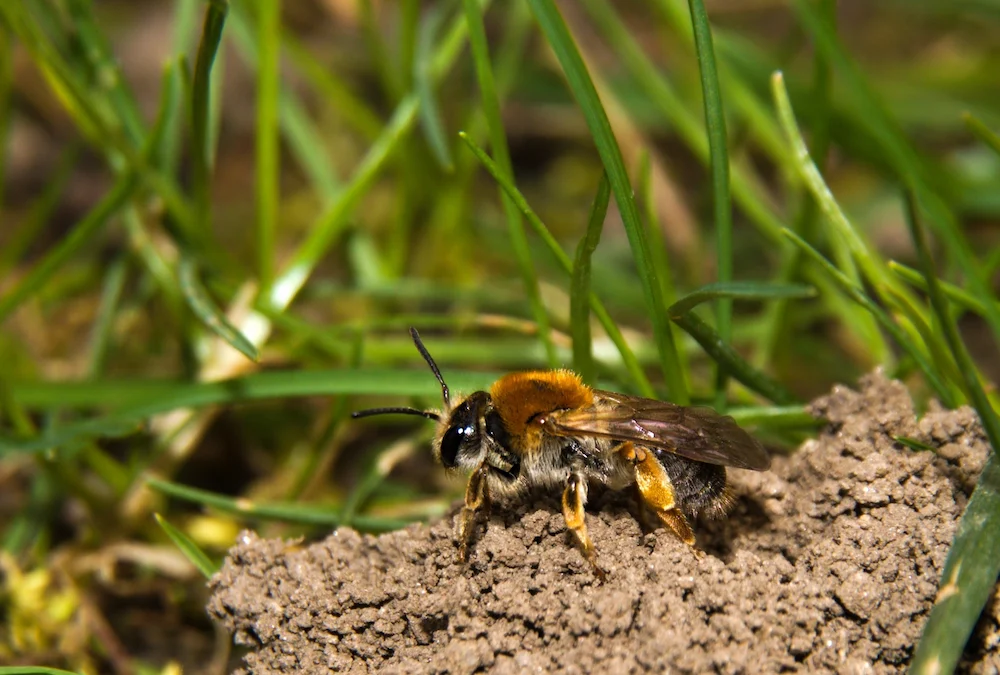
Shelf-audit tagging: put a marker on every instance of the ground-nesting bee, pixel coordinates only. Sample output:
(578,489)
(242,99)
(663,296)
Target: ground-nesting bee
(548,429)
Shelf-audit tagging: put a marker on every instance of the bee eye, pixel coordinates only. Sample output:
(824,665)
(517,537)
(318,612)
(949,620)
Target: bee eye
(452,441)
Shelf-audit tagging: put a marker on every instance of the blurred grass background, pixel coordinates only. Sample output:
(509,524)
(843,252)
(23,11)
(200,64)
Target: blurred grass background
(219,219)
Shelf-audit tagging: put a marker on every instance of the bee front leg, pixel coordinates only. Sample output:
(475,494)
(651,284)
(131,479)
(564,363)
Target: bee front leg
(574,498)
(477,497)
(657,491)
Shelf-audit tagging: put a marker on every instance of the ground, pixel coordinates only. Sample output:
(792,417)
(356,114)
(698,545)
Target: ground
(827,563)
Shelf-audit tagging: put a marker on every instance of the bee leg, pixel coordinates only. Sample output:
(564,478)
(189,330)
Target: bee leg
(476,497)
(656,491)
(574,497)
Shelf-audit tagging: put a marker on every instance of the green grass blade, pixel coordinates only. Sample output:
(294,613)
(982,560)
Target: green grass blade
(41,211)
(146,398)
(34,670)
(857,294)
(775,417)
(559,38)
(101,336)
(423,81)
(723,353)
(106,71)
(267,161)
(982,132)
(191,550)
(498,141)
(6,100)
(740,290)
(973,562)
(958,295)
(202,150)
(206,311)
(333,220)
(290,512)
(88,228)
(715,123)
(746,188)
(579,288)
(900,154)
(845,231)
(596,306)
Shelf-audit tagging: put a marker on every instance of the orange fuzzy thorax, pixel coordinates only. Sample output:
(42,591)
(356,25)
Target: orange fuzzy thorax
(520,397)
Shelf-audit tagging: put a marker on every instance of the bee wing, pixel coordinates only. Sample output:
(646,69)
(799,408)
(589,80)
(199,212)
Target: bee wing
(696,433)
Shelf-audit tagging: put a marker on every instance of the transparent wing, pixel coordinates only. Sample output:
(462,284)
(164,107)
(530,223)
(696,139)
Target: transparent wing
(696,433)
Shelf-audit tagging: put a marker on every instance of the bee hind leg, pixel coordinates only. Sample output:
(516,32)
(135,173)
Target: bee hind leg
(656,491)
(574,497)
(477,498)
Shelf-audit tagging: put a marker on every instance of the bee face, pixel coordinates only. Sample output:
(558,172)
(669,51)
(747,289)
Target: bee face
(472,434)
(460,443)
(547,428)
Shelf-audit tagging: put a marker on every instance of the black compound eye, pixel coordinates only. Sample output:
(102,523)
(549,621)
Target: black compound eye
(452,441)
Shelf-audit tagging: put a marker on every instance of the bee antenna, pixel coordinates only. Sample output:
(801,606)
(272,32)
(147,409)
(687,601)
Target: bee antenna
(401,411)
(430,362)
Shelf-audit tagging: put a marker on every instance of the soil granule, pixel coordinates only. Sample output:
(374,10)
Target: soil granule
(827,563)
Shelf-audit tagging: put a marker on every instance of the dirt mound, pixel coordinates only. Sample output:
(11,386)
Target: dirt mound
(828,563)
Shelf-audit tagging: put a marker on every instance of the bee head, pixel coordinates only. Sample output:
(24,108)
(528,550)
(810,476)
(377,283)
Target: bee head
(459,439)
(469,433)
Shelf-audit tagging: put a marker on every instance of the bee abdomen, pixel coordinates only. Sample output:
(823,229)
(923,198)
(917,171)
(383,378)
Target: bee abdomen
(697,486)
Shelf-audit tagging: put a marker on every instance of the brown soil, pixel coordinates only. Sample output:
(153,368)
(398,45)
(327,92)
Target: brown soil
(828,563)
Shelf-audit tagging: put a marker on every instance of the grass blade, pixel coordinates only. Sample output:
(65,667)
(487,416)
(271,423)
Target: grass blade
(498,141)
(959,296)
(740,290)
(723,353)
(900,154)
(715,123)
(596,306)
(579,288)
(292,512)
(559,38)
(268,159)
(69,245)
(973,562)
(982,132)
(206,311)
(191,550)
(857,294)
(201,143)
(423,82)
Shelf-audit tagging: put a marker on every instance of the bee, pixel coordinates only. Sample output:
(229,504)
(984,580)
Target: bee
(548,429)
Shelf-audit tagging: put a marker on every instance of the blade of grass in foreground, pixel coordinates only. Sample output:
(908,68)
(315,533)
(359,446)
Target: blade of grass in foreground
(579,288)
(559,38)
(201,167)
(151,397)
(740,290)
(715,123)
(208,313)
(498,141)
(596,306)
(34,670)
(901,155)
(191,551)
(844,233)
(720,350)
(268,159)
(857,294)
(292,512)
(954,293)
(70,244)
(973,563)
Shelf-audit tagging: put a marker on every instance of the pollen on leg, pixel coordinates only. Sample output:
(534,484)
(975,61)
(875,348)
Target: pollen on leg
(657,492)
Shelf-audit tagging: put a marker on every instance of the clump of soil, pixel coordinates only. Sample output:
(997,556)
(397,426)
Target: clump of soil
(827,563)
